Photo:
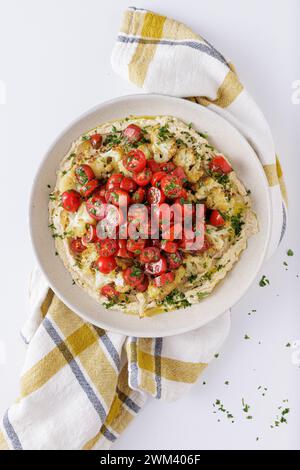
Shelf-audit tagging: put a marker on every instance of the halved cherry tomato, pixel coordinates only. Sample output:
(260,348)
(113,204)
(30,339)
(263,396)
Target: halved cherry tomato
(174,260)
(157,177)
(96,207)
(114,215)
(90,236)
(77,246)
(138,196)
(143,177)
(167,167)
(96,141)
(184,209)
(174,232)
(153,165)
(168,246)
(150,254)
(84,173)
(143,285)
(114,181)
(106,264)
(71,200)
(128,184)
(133,276)
(107,247)
(165,278)
(220,165)
(171,186)
(133,133)
(156,268)
(101,191)
(216,219)
(155,196)
(180,173)
(135,161)
(118,197)
(136,246)
(87,189)
(109,291)
(122,251)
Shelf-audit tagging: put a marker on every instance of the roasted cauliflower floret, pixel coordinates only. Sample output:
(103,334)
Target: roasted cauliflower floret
(163,144)
(186,158)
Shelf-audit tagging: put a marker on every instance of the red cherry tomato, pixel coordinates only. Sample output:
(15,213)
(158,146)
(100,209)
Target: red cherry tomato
(153,165)
(106,264)
(135,246)
(77,246)
(96,141)
(128,184)
(183,208)
(84,173)
(168,246)
(71,200)
(143,285)
(216,219)
(156,268)
(174,232)
(122,250)
(138,196)
(167,167)
(133,276)
(155,196)
(114,181)
(174,260)
(143,177)
(96,207)
(135,161)
(87,189)
(150,254)
(220,165)
(180,173)
(133,133)
(157,177)
(165,278)
(118,197)
(90,236)
(107,247)
(171,186)
(114,215)
(109,291)
(100,192)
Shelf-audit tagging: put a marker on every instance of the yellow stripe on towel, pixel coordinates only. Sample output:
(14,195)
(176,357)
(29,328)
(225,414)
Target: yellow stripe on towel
(144,53)
(3,444)
(227,92)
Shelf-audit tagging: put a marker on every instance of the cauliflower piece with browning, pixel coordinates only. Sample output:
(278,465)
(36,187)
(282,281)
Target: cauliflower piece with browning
(163,144)
(186,158)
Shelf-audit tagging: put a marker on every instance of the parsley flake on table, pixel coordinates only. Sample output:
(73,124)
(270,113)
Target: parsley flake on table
(264,281)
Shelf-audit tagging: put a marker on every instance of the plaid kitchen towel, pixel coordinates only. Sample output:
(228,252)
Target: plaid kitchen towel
(81,386)
(162,55)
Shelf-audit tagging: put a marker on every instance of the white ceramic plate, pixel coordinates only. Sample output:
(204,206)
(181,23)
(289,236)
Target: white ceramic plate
(226,139)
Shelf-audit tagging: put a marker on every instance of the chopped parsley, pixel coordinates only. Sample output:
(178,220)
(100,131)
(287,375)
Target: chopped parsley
(237,223)
(176,300)
(164,133)
(264,281)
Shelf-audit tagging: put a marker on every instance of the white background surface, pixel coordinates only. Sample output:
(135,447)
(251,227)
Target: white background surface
(55,61)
